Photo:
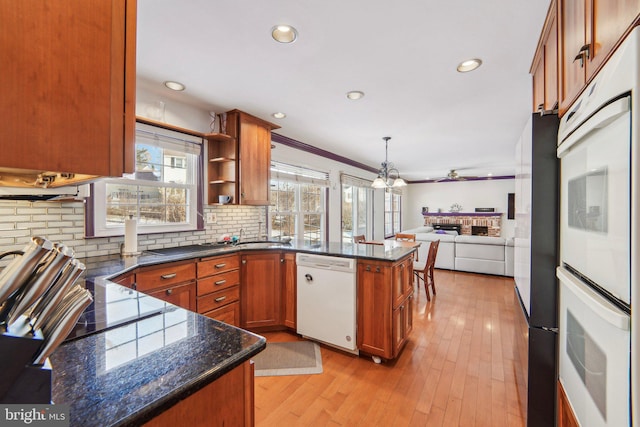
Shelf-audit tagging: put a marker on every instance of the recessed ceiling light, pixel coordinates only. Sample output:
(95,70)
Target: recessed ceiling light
(177,86)
(469,65)
(284,33)
(489,174)
(355,94)
(279,115)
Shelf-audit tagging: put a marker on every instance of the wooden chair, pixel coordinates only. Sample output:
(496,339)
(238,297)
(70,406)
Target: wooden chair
(406,237)
(424,271)
(359,239)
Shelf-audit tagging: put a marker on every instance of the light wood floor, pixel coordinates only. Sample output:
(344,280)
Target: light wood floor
(456,370)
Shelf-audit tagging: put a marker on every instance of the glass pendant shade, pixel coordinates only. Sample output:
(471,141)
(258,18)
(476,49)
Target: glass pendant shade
(388,176)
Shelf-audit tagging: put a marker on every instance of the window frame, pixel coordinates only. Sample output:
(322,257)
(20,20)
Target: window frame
(299,177)
(395,214)
(96,214)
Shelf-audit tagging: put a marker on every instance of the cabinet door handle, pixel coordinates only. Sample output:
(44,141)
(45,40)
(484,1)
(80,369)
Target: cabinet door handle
(368,268)
(134,286)
(220,282)
(223,265)
(168,276)
(583,54)
(220,299)
(281,260)
(377,269)
(244,261)
(169,291)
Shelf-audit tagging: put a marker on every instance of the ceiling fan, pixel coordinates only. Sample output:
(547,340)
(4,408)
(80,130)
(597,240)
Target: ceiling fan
(454,176)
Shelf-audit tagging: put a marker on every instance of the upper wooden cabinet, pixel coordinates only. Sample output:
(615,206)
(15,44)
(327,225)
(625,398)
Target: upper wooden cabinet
(68,79)
(589,31)
(254,156)
(545,65)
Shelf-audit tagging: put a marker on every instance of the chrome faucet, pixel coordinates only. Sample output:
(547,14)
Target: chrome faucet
(239,236)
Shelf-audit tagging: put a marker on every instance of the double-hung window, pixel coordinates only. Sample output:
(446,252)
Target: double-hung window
(357,207)
(162,193)
(298,203)
(392,212)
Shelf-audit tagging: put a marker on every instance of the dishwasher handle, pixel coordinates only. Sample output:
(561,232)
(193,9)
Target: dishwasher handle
(308,277)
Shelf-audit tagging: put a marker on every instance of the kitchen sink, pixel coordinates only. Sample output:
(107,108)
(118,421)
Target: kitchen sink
(179,250)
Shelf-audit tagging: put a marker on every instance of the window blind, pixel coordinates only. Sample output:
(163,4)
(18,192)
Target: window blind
(167,139)
(285,172)
(354,181)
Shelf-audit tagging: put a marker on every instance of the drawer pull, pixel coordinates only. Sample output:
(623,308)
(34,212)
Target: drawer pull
(168,276)
(169,291)
(223,265)
(220,282)
(220,299)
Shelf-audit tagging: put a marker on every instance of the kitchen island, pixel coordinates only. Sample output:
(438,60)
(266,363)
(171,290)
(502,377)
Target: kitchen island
(133,358)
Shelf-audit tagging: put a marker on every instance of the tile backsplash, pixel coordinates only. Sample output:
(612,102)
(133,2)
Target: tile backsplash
(64,222)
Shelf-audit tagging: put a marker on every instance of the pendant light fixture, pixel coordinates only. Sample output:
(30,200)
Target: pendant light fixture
(388,176)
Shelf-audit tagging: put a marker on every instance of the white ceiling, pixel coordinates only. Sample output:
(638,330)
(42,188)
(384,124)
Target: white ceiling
(403,55)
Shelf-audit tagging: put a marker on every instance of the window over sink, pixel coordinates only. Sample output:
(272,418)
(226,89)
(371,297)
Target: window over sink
(162,193)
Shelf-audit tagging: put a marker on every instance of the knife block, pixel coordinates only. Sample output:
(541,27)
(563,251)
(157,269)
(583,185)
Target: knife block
(20,381)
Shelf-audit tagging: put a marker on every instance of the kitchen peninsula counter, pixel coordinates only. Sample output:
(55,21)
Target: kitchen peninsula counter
(132,356)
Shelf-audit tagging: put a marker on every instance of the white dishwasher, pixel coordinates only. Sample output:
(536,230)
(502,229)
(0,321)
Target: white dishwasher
(326,289)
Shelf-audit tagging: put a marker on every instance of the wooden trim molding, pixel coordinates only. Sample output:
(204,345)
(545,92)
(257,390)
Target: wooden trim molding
(290,142)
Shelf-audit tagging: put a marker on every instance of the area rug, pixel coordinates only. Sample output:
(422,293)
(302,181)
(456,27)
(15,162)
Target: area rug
(288,358)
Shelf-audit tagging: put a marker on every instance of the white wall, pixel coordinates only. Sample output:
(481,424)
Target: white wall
(469,194)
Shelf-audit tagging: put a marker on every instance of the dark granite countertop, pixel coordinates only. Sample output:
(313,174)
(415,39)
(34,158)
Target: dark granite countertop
(128,374)
(111,265)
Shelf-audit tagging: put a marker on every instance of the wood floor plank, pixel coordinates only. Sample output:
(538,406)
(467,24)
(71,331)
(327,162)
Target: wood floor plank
(457,369)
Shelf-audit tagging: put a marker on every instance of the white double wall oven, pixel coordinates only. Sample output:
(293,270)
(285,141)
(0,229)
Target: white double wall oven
(598,272)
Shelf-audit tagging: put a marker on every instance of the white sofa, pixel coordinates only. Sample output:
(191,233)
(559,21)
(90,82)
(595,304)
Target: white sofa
(476,254)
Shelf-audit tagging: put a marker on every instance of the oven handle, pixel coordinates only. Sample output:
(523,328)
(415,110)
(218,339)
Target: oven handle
(596,303)
(602,118)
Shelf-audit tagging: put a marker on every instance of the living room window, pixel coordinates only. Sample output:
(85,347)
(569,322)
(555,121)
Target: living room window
(392,212)
(298,203)
(162,192)
(357,207)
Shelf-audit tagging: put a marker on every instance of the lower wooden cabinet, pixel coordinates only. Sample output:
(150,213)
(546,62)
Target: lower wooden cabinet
(171,282)
(228,401)
(183,295)
(566,417)
(385,306)
(229,314)
(290,295)
(218,288)
(261,289)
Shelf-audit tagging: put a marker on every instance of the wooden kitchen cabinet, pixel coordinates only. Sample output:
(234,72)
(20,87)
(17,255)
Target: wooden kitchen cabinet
(253,161)
(182,295)
(218,288)
(172,282)
(261,290)
(68,78)
(228,401)
(544,68)
(402,323)
(290,295)
(222,159)
(566,417)
(588,32)
(385,298)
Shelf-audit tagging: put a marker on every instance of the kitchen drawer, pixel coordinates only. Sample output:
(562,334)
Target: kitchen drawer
(156,277)
(209,266)
(183,296)
(218,282)
(229,314)
(218,299)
